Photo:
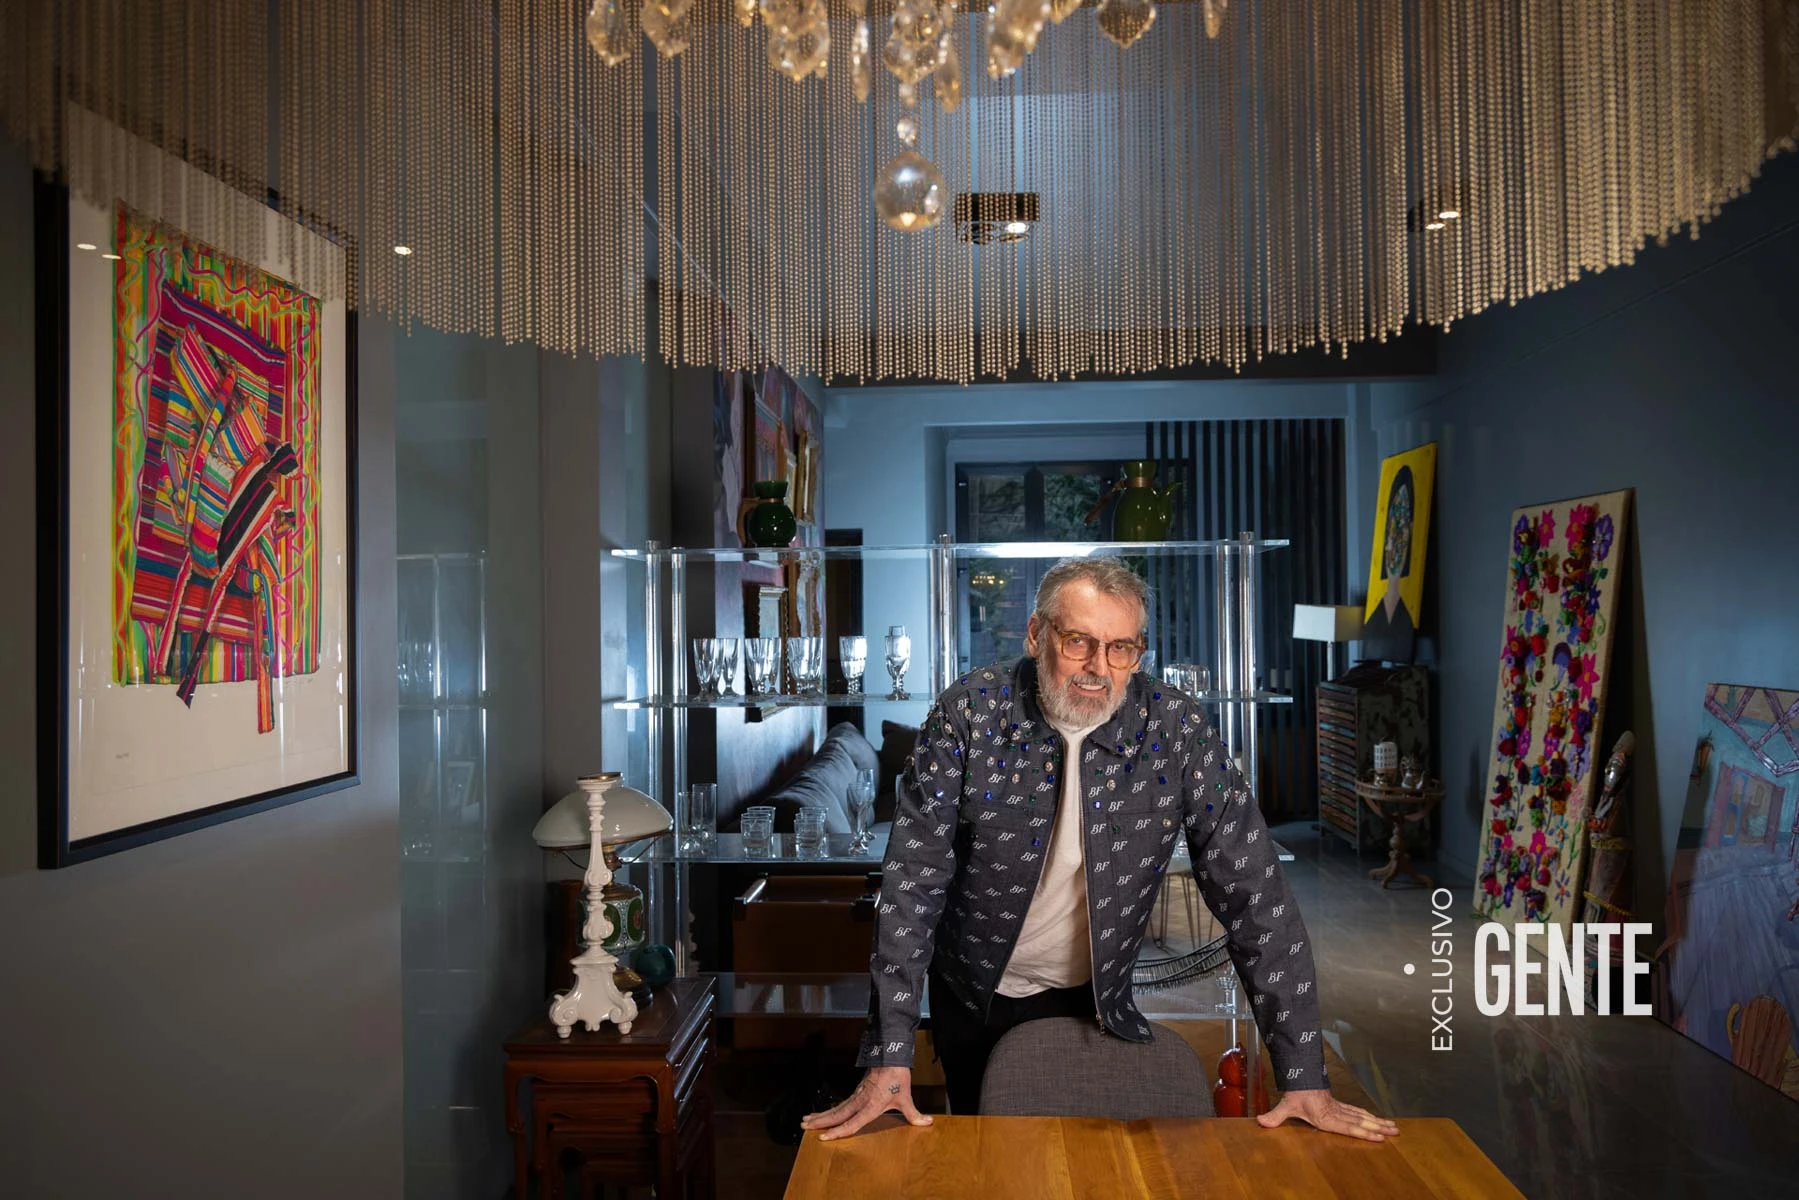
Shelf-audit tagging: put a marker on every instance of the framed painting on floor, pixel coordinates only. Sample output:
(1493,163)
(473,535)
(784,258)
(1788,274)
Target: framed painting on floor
(1562,587)
(196,467)
(1729,976)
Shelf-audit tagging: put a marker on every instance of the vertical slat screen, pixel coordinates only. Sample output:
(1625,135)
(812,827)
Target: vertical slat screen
(1282,479)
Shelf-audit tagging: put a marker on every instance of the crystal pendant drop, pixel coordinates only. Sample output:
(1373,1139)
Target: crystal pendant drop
(746,12)
(948,73)
(909,193)
(907,130)
(911,47)
(607,32)
(1124,21)
(811,48)
(861,73)
(799,38)
(908,95)
(1013,27)
(1214,11)
(1061,10)
(666,24)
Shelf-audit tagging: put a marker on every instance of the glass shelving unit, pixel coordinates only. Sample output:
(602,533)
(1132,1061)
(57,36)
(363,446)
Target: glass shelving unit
(668,698)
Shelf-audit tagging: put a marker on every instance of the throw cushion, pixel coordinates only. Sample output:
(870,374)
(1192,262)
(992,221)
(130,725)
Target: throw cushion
(860,748)
(824,782)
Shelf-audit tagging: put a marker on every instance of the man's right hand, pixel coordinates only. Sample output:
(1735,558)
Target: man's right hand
(883,1089)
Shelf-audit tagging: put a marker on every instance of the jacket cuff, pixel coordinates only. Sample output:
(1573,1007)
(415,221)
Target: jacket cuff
(1298,1071)
(885,1053)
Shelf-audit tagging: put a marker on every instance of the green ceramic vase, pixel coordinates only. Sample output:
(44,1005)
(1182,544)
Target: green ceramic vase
(1144,511)
(771,522)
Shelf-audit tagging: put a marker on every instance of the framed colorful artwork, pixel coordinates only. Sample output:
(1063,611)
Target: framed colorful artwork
(1562,588)
(196,475)
(1729,976)
(1401,540)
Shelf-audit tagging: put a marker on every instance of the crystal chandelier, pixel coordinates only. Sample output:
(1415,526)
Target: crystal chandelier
(920,44)
(809,182)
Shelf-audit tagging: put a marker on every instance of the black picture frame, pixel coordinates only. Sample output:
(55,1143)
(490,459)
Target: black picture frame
(56,849)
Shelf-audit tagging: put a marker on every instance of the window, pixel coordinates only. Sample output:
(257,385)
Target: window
(1018,502)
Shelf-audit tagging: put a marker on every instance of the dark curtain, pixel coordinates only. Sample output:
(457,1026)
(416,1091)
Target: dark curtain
(1281,479)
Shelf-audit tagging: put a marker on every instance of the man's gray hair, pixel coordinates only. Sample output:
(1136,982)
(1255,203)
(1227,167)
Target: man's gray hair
(1109,576)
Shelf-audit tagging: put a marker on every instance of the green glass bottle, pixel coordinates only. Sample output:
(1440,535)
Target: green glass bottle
(770,522)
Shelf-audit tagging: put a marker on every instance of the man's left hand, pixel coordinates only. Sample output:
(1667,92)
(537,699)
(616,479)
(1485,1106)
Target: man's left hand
(1317,1107)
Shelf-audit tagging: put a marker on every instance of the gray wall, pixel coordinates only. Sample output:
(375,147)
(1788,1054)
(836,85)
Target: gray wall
(471,764)
(223,1006)
(1675,377)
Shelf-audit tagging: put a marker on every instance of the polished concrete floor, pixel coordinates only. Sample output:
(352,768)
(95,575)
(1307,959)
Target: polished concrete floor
(1580,1107)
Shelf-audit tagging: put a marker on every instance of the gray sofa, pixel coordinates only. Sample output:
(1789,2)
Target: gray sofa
(827,781)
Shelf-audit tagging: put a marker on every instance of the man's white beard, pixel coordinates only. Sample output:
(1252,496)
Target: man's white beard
(1063,705)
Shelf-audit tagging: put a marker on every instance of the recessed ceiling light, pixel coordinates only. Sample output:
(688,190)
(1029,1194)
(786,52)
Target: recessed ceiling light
(84,245)
(403,251)
(1019,227)
(112,257)
(1449,214)
(1433,225)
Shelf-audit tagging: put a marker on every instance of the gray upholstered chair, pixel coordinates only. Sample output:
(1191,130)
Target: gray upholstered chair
(1069,1067)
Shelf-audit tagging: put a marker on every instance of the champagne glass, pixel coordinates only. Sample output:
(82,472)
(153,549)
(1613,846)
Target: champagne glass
(862,810)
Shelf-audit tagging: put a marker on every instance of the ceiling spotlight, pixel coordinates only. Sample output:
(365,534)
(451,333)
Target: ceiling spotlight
(112,257)
(84,245)
(1433,224)
(1449,214)
(403,251)
(987,217)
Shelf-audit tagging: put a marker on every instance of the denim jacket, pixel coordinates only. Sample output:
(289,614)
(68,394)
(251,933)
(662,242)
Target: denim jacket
(972,828)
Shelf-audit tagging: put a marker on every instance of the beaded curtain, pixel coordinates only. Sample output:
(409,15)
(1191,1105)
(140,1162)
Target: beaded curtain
(1273,183)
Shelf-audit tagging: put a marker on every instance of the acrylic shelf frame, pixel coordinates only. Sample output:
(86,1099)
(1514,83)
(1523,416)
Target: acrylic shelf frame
(668,698)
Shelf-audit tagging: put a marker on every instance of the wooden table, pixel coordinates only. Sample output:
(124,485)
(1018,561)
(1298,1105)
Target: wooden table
(1399,807)
(636,1107)
(1053,1158)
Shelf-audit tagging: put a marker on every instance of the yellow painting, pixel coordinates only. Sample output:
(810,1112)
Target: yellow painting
(1396,571)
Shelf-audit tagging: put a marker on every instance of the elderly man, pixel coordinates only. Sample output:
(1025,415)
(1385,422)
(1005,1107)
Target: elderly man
(1034,825)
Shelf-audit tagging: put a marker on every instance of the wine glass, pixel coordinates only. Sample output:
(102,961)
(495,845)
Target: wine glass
(852,652)
(899,658)
(705,664)
(862,810)
(727,666)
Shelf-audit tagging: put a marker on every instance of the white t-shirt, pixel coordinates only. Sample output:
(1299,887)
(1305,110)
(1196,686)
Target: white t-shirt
(1053,950)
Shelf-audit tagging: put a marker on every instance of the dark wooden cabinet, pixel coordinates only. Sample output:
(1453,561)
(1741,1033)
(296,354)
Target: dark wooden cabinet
(634,1108)
(1368,705)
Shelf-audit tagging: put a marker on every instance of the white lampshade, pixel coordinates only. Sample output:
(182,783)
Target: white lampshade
(1327,622)
(629,816)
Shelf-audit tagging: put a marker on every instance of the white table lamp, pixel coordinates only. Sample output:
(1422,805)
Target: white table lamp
(596,997)
(1327,622)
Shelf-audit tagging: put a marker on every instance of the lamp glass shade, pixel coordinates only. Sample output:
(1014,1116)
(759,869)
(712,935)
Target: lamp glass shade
(1327,622)
(629,816)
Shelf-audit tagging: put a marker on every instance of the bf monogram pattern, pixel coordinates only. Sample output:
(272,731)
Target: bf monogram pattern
(972,828)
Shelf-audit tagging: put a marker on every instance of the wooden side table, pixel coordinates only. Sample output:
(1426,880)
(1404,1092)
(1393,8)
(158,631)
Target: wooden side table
(636,1107)
(1399,807)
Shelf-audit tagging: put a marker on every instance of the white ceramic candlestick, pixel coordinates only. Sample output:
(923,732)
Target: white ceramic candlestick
(595,997)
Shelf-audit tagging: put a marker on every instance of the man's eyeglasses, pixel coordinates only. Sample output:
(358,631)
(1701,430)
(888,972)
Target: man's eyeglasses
(1080,647)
